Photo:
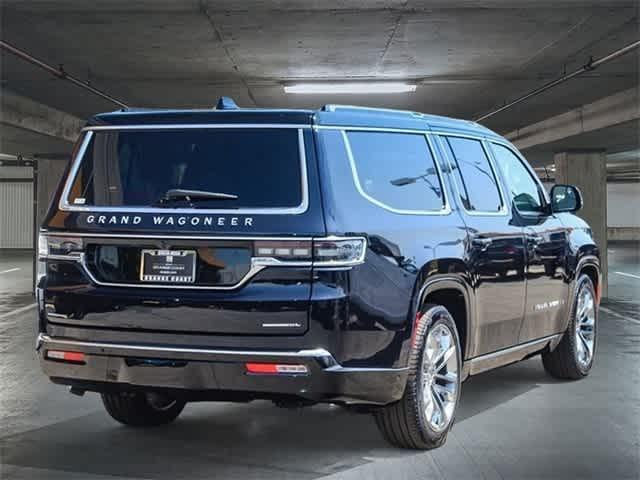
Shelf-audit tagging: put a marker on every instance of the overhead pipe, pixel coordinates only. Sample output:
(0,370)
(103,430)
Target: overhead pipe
(589,66)
(60,73)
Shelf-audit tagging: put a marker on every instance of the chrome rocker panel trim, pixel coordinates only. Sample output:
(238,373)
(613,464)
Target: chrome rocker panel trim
(509,355)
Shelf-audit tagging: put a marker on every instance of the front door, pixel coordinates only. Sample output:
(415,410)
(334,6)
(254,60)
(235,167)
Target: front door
(546,287)
(546,243)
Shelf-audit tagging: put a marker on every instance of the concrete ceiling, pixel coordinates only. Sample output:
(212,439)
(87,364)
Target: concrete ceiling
(467,56)
(618,138)
(17,141)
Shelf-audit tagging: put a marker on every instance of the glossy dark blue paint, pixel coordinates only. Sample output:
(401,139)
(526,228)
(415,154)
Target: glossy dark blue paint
(492,271)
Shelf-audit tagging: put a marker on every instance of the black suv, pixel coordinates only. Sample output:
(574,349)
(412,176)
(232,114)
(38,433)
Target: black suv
(363,257)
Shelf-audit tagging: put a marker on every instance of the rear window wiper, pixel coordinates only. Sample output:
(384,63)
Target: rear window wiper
(191,196)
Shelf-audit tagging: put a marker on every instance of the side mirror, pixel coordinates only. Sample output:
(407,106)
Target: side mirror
(565,198)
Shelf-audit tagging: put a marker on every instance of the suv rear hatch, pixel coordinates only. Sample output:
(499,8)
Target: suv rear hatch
(190,228)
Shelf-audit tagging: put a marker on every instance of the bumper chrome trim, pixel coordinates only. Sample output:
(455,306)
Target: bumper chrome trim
(146,349)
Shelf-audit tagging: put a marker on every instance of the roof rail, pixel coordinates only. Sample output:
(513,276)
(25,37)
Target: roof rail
(334,108)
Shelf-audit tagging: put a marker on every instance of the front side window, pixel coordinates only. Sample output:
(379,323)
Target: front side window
(396,171)
(251,168)
(522,187)
(476,180)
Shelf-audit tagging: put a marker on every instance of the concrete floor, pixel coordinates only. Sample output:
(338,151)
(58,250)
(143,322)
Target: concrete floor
(513,423)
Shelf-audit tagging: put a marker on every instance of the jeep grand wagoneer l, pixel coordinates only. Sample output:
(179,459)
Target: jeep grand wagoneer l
(362,257)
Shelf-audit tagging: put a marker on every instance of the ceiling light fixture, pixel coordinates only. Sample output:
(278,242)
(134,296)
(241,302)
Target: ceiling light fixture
(351,87)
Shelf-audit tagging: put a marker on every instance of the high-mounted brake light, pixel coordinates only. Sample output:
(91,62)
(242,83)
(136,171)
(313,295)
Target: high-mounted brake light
(71,357)
(276,369)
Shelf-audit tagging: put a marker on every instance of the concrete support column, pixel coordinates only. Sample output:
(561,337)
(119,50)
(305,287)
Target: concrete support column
(49,175)
(587,170)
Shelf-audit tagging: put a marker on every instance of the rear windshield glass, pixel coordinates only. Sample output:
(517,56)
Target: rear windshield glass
(253,168)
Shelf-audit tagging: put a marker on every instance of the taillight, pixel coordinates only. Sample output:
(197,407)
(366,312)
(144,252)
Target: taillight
(323,252)
(56,245)
(292,250)
(63,356)
(338,251)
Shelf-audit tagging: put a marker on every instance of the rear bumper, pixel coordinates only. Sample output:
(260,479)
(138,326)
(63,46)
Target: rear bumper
(190,369)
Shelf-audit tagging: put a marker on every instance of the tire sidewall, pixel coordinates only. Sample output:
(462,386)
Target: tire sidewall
(433,317)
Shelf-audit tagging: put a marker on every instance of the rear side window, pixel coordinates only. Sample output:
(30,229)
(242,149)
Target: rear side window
(476,180)
(396,171)
(261,167)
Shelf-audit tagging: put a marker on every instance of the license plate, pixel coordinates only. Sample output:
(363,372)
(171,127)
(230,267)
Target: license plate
(168,266)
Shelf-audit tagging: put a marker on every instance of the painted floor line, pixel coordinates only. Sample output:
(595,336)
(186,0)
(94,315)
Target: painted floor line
(619,315)
(10,270)
(17,311)
(628,275)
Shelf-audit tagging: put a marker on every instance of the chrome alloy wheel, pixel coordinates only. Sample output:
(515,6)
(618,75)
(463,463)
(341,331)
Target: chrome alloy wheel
(585,325)
(439,378)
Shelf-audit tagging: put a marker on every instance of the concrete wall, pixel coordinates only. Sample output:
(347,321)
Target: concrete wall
(623,205)
(49,174)
(16,172)
(16,214)
(16,207)
(623,211)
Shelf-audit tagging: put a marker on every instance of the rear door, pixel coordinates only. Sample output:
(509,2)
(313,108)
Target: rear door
(495,251)
(546,243)
(201,229)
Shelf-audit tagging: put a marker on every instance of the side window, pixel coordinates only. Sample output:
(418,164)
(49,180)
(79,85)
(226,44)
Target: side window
(396,171)
(477,183)
(523,188)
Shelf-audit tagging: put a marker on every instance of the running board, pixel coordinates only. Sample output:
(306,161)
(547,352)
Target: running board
(507,356)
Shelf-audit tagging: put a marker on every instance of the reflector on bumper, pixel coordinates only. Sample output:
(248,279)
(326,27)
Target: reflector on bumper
(276,369)
(60,355)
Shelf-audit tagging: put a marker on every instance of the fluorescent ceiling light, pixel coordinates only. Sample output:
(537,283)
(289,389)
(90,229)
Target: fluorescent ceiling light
(351,87)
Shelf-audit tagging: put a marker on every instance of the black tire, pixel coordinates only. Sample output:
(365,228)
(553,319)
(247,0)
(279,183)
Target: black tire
(142,409)
(404,423)
(562,362)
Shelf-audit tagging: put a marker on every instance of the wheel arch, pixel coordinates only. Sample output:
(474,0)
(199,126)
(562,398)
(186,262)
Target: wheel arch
(452,293)
(590,266)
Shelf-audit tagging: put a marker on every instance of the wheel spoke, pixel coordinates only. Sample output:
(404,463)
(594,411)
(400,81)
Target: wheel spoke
(444,357)
(586,343)
(445,394)
(585,305)
(427,399)
(585,325)
(448,377)
(438,410)
(579,345)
